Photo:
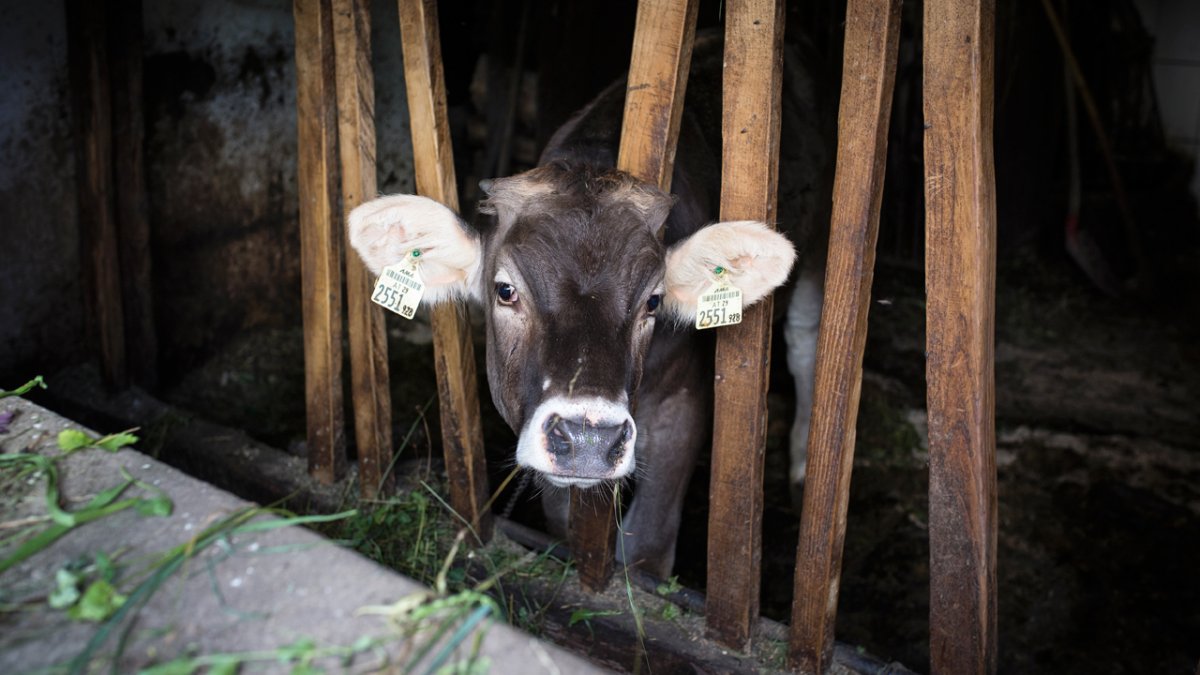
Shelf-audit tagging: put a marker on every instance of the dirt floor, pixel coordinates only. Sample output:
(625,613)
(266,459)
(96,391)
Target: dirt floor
(1098,454)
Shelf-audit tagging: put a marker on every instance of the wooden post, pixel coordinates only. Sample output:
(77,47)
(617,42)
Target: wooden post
(658,69)
(752,85)
(87,42)
(868,77)
(662,54)
(453,351)
(320,236)
(133,224)
(960,280)
(592,528)
(368,338)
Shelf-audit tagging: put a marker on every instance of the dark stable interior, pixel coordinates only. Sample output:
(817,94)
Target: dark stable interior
(1097,330)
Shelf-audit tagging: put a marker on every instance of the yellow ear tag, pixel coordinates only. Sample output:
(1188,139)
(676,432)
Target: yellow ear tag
(399,287)
(720,305)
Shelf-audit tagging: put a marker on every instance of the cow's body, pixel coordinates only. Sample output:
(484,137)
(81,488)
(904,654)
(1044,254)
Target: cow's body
(573,273)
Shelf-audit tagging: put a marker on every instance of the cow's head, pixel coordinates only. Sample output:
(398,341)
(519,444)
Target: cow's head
(572,276)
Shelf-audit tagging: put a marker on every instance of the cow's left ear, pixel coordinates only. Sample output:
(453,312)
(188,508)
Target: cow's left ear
(387,230)
(755,258)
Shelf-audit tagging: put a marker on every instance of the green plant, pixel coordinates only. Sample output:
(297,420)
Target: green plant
(585,616)
(102,505)
(25,388)
(70,440)
(163,566)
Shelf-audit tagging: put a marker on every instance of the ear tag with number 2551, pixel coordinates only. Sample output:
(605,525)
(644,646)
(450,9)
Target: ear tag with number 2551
(399,287)
(720,305)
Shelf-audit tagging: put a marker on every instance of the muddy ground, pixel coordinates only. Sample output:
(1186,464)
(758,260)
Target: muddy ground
(1098,455)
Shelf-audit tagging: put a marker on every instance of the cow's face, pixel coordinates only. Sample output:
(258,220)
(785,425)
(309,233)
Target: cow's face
(572,285)
(572,277)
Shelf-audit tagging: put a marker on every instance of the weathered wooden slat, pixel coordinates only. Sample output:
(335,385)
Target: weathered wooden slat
(453,351)
(592,525)
(753,78)
(960,280)
(662,54)
(658,69)
(869,74)
(356,144)
(133,223)
(87,50)
(320,236)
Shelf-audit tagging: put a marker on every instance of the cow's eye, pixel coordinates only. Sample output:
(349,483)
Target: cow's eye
(507,293)
(652,303)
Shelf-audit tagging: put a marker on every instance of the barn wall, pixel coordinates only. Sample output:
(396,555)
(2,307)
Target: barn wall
(221,149)
(222,154)
(40,295)
(221,173)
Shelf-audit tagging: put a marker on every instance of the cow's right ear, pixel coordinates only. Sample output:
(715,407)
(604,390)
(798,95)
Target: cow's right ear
(387,230)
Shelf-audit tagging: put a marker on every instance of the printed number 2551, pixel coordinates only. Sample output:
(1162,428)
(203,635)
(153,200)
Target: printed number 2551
(388,297)
(709,317)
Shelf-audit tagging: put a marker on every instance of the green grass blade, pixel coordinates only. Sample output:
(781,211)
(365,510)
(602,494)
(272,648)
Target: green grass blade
(25,388)
(461,634)
(264,525)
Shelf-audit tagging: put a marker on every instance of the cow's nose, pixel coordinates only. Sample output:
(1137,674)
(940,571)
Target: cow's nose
(586,449)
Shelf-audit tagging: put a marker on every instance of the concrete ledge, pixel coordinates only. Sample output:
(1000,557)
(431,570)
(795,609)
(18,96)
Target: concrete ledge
(258,591)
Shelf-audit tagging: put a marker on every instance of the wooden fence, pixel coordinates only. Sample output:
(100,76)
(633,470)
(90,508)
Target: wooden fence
(335,102)
(337,152)
(336,142)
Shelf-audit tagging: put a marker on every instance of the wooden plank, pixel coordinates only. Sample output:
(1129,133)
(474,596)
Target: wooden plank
(87,49)
(662,54)
(592,527)
(752,86)
(658,69)
(453,351)
(659,644)
(869,74)
(320,237)
(133,223)
(356,144)
(960,281)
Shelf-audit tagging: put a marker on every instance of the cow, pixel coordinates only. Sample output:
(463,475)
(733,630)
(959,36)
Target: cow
(589,281)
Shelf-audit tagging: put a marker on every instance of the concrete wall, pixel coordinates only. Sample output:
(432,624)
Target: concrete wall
(221,166)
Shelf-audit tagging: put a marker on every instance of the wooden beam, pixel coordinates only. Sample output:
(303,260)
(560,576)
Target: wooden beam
(453,351)
(133,223)
(960,281)
(752,86)
(658,68)
(868,77)
(368,338)
(320,237)
(87,51)
(593,525)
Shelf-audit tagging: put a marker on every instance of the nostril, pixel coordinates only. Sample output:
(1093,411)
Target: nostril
(617,450)
(558,441)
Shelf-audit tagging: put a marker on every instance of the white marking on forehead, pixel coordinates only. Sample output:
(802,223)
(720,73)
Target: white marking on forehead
(514,190)
(546,384)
